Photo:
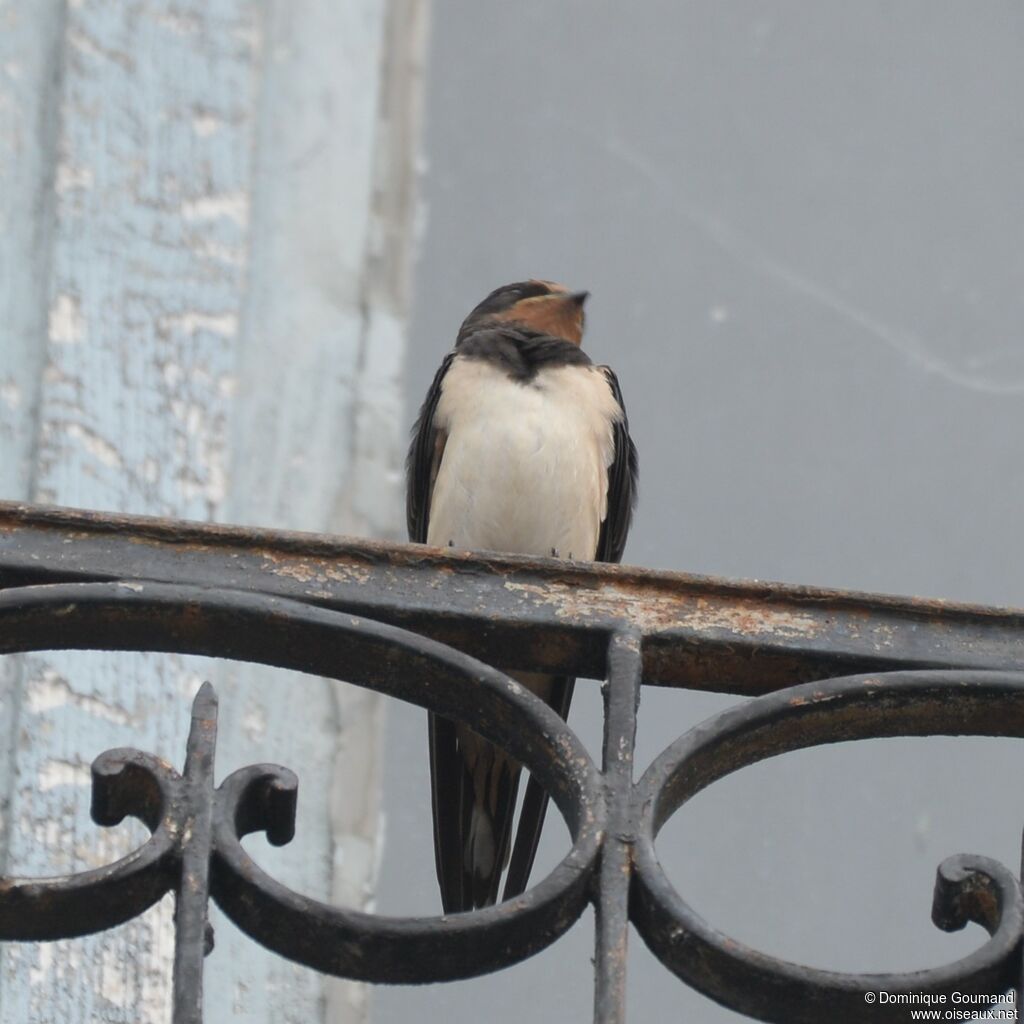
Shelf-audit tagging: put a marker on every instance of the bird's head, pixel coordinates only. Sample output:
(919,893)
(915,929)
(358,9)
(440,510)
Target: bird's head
(542,306)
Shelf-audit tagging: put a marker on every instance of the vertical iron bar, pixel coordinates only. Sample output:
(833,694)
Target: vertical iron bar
(1018,988)
(193,937)
(621,701)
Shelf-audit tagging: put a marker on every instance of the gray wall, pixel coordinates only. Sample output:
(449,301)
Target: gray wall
(801,224)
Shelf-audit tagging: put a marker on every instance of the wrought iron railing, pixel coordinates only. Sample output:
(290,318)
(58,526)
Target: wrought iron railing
(412,622)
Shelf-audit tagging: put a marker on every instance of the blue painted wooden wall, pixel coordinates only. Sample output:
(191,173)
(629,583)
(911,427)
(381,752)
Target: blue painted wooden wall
(204,244)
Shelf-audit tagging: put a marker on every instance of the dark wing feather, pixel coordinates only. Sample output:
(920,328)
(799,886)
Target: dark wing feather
(622,478)
(535,805)
(424,457)
(451,792)
(450,786)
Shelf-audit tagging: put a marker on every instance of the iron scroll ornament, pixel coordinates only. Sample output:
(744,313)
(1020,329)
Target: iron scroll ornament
(967,888)
(306,638)
(290,634)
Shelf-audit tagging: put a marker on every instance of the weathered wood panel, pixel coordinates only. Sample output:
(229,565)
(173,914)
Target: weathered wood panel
(189,197)
(29,37)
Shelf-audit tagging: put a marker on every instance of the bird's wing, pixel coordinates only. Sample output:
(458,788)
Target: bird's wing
(450,787)
(451,792)
(424,458)
(622,477)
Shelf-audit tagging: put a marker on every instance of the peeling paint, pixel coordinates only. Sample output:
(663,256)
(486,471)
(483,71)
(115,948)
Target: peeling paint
(213,251)
(306,572)
(10,394)
(158,936)
(255,723)
(40,971)
(753,620)
(233,206)
(205,124)
(54,773)
(112,977)
(67,327)
(51,690)
(71,177)
(99,448)
(672,611)
(165,123)
(194,321)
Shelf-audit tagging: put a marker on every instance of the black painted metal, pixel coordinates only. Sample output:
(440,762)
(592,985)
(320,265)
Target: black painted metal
(611,898)
(858,707)
(601,620)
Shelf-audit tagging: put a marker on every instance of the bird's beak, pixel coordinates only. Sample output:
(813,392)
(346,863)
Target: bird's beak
(578,297)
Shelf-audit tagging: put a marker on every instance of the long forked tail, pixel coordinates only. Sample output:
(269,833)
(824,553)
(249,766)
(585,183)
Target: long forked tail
(474,787)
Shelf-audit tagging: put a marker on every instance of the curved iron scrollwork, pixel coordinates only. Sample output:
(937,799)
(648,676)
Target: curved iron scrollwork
(196,829)
(288,634)
(967,888)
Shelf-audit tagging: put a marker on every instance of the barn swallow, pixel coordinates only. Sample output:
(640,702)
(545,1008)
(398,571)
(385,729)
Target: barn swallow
(522,445)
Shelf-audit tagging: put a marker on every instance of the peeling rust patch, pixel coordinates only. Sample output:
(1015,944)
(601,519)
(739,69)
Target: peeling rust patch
(661,611)
(749,619)
(323,572)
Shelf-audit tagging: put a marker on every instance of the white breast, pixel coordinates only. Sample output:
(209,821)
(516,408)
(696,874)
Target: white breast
(525,466)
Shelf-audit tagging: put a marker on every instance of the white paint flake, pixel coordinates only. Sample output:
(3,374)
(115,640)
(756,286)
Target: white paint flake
(192,322)
(67,326)
(205,124)
(112,976)
(229,205)
(254,723)
(99,448)
(71,177)
(41,972)
(55,772)
(51,690)
(10,394)
(207,248)
(157,935)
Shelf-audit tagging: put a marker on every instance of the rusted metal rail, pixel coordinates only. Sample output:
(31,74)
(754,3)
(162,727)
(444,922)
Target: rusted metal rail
(698,632)
(426,625)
